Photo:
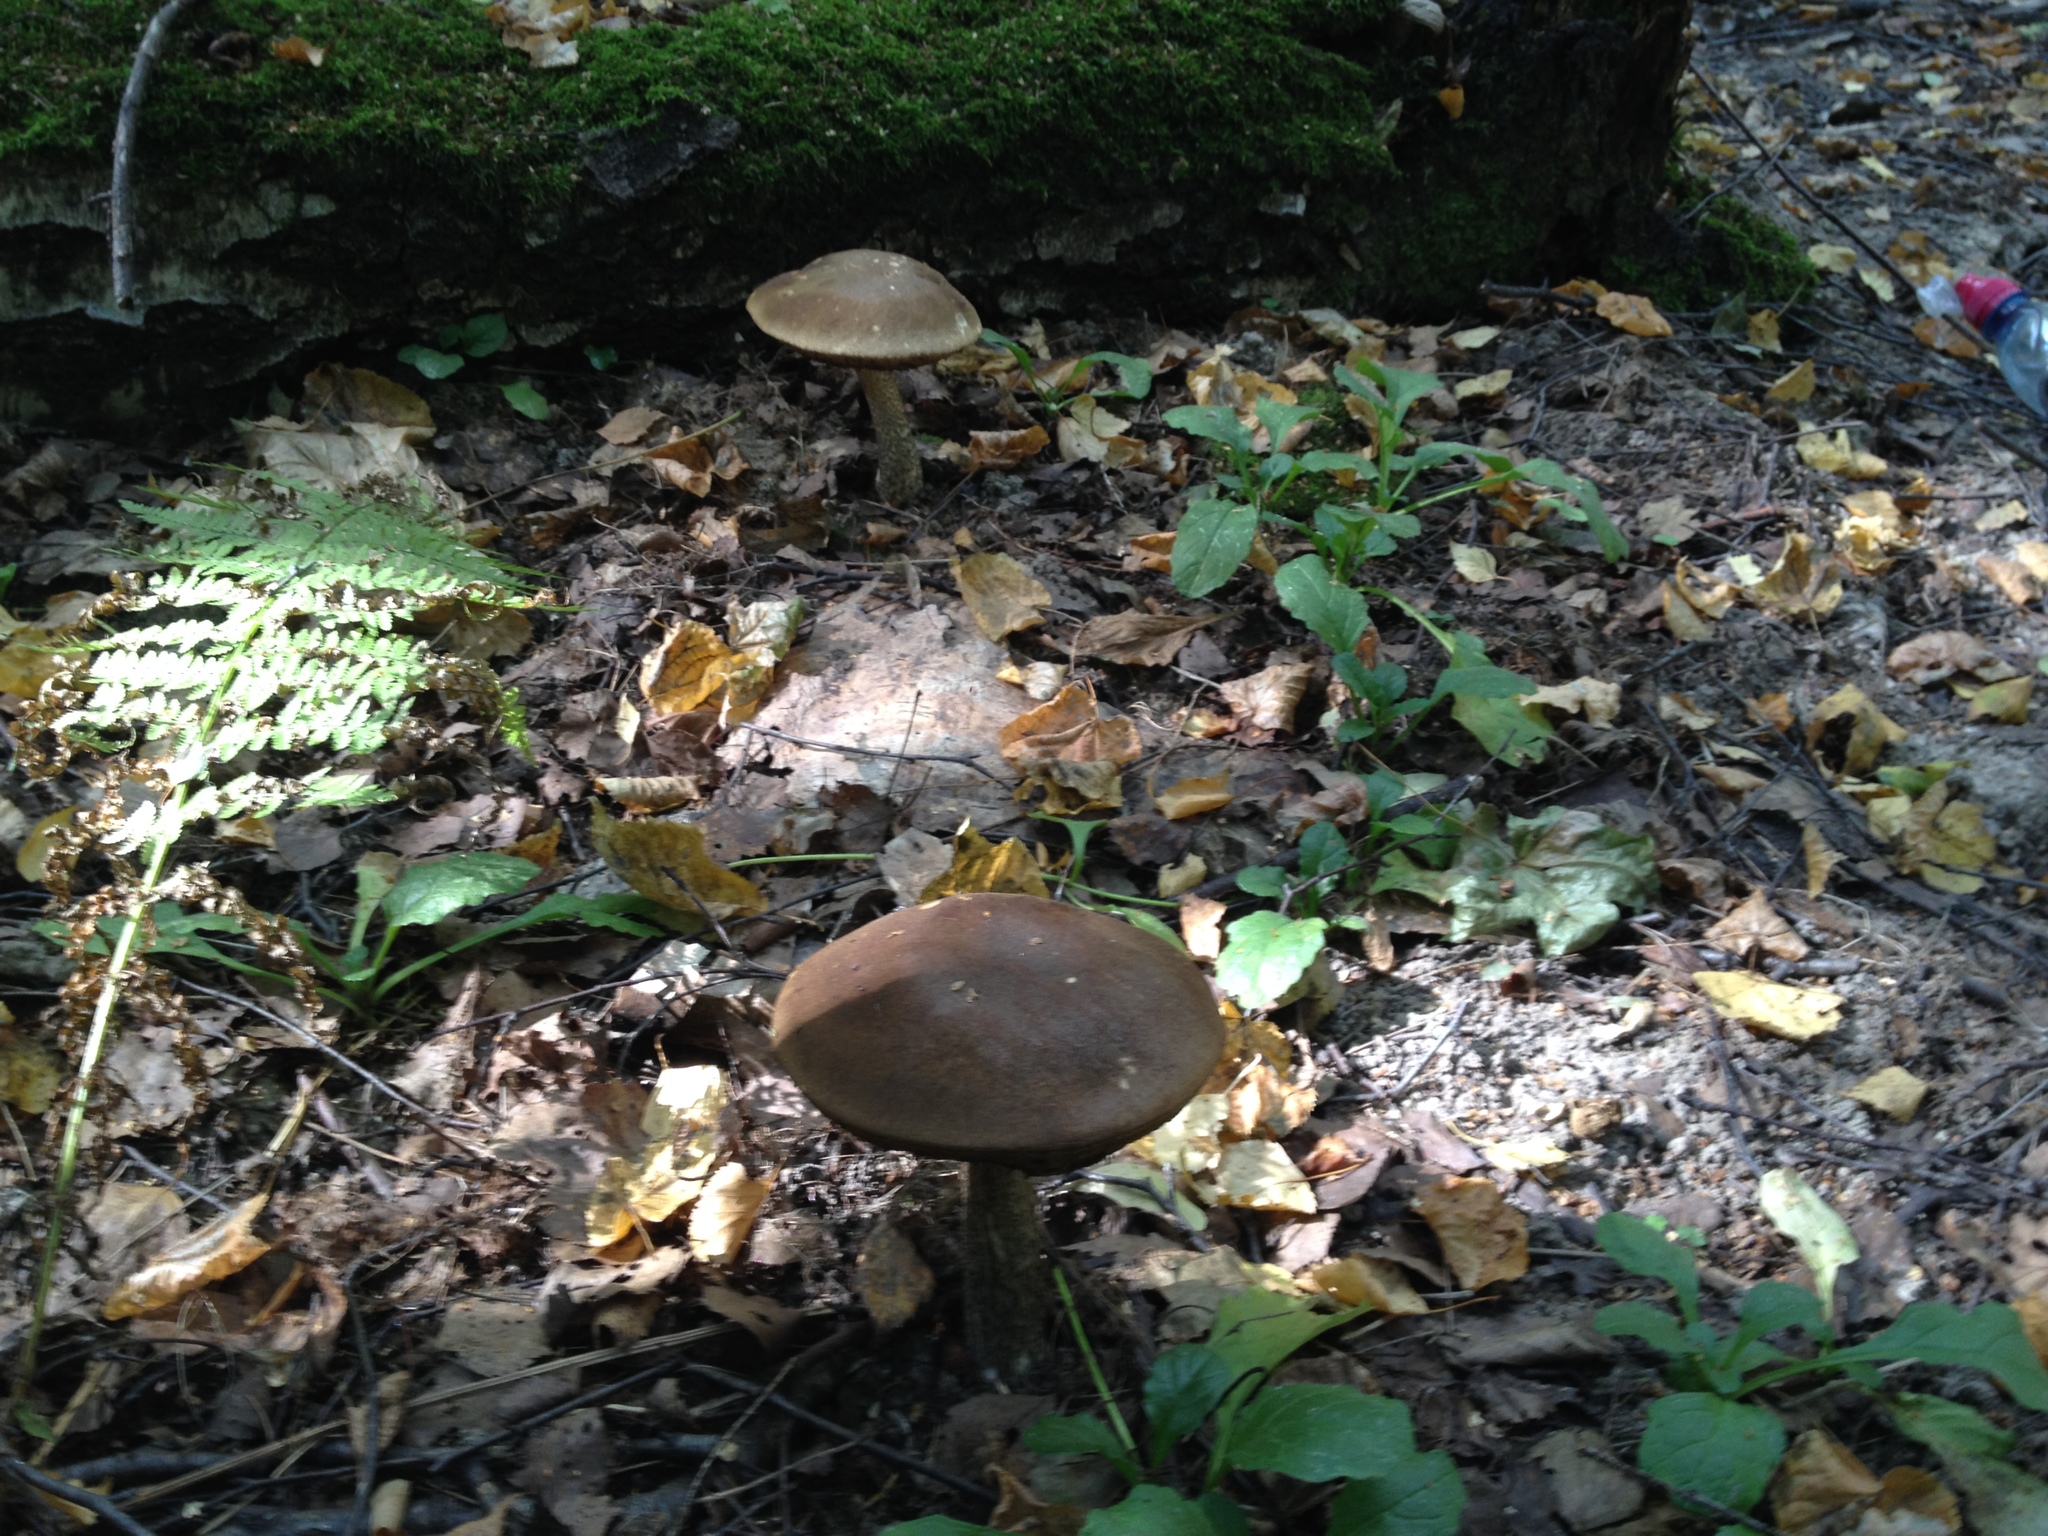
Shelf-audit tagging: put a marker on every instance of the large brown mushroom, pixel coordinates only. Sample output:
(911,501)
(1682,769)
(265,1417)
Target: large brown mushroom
(874,312)
(1017,1034)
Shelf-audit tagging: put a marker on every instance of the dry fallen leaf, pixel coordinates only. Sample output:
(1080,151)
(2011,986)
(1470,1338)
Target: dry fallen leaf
(979,866)
(1484,1239)
(1820,859)
(662,793)
(693,668)
(1818,1476)
(1355,1281)
(1790,1013)
(1193,797)
(1632,313)
(1835,456)
(1524,1153)
(1265,702)
(1087,431)
(1483,388)
(2005,703)
(296,50)
(30,1072)
(1762,327)
(1668,520)
(1803,584)
(1872,531)
(678,1141)
(996,450)
(224,1246)
(1730,781)
(2011,578)
(1941,653)
(1259,1176)
(1476,565)
(1945,842)
(895,1281)
(1892,1091)
(1593,697)
(2004,516)
(1201,926)
(1848,734)
(1072,751)
(1838,259)
(1795,386)
(768,1320)
(1002,596)
(2033,554)
(1755,929)
(665,861)
(1137,639)
(724,1214)
(630,425)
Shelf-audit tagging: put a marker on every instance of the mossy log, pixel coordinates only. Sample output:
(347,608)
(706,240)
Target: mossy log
(1172,157)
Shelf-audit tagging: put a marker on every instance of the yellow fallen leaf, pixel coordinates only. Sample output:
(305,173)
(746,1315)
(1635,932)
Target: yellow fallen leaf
(2002,517)
(1763,331)
(2033,554)
(1486,386)
(1790,1013)
(1730,781)
(1266,701)
(1803,584)
(1072,751)
(1878,281)
(724,1214)
(693,668)
(30,1072)
(1452,99)
(662,792)
(1819,1476)
(2006,703)
(1820,859)
(1176,880)
(1893,1091)
(665,861)
(1477,337)
(225,1246)
(1839,259)
(1191,1142)
(1794,386)
(1005,868)
(32,858)
(1002,596)
(1835,456)
(1632,313)
(997,450)
(296,50)
(1483,1238)
(679,1128)
(32,654)
(1862,743)
(1201,925)
(1524,1153)
(1476,565)
(1754,929)
(1872,531)
(1945,842)
(1357,1281)
(1598,700)
(1194,797)
(1259,1176)
(1685,622)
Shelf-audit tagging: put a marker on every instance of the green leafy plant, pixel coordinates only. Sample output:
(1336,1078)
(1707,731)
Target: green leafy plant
(1223,1387)
(1057,388)
(1564,873)
(270,629)
(1704,1438)
(478,336)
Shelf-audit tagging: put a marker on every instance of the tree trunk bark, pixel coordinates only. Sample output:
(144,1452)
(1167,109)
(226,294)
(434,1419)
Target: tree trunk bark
(1009,1279)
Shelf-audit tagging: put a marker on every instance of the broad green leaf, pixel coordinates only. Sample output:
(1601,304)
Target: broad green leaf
(1586,494)
(1564,872)
(1134,375)
(1147,922)
(526,400)
(1212,542)
(1318,1433)
(1279,420)
(615,913)
(601,358)
(1481,682)
(1712,1445)
(428,892)
(1989,1338)
(1644,1250)
(934,1525)
(435,365)
(1224,1515)
(1823,1239)
(1334,612)
(1323,849)
(34,1423)
(479,335)
(1949,1428)
(1181,1391)
(1219,424)
(1079,1434)
(1267,880)
(1507,731)
(1320,461)
(1641,1320)
(1773,1304)
(1255,1330)
(1149,1511)
(1266,954)
(1424,1496)
(2000,1498)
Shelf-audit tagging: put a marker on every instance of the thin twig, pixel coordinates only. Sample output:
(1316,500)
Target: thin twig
(121,216)
(852,751)
(100,1505)
(595,1397)
(1408,1078)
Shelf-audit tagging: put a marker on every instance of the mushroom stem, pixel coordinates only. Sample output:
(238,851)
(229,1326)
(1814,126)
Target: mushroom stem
(900,478)
(1009,1281)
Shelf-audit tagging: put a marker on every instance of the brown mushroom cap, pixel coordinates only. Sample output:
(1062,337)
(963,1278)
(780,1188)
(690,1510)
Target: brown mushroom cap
(866,309)
(999,1029)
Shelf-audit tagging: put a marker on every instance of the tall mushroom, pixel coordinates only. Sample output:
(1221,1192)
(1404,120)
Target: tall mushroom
(1018,1034)
(874,312)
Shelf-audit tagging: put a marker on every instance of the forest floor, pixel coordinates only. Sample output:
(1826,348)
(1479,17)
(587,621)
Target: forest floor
(1803,691)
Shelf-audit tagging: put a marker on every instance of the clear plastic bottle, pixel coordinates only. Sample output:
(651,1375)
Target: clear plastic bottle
(2016,325)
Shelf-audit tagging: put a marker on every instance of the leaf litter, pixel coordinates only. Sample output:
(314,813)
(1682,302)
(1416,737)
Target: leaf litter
(1830,839)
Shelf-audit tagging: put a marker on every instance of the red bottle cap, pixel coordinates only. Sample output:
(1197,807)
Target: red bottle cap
(1981,295)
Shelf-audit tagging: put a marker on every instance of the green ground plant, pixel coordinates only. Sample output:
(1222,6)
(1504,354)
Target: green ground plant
(272,628)
(1220,1394)
(1705,1438)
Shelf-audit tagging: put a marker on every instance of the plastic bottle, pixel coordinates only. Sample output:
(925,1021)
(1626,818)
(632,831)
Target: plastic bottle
(2015,324)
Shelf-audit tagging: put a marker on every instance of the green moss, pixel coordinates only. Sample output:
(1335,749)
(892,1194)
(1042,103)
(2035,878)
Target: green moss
(1731,248)
(836,97)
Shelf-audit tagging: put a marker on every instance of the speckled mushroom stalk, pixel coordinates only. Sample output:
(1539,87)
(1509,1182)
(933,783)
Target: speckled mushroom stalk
(1017,1034)
(899,478)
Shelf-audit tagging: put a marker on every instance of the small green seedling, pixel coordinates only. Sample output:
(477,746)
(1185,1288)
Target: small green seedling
(478,336)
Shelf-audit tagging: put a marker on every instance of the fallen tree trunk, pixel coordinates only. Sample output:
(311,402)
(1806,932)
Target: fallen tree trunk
(1171,157)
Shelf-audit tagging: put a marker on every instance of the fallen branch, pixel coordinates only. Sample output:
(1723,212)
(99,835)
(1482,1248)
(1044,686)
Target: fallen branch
(121,219)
